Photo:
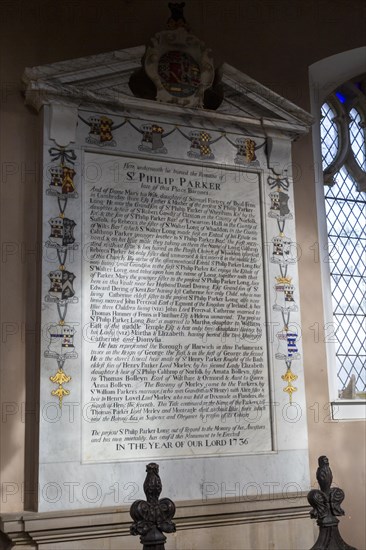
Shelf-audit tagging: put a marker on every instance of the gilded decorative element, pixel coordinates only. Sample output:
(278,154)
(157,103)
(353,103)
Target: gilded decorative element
(289,377)
(60,378)
(60,393)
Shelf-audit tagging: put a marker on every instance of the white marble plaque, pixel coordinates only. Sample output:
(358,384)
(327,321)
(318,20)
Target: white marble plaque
(174,355)
(171,323)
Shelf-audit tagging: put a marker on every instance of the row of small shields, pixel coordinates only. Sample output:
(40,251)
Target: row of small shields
(101,130)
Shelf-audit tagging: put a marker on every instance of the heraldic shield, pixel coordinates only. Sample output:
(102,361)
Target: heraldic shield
(279,206)
(287,345)
(61,287)
(245,152)
(284,295)
(100,132)
(62,233)
(62,181)
(200,145)
(152,139)
(284,251)
(61,343)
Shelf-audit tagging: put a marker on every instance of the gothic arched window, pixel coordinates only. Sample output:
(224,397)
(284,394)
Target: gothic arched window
(343,147)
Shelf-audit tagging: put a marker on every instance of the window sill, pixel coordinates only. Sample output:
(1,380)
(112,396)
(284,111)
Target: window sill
(347,409)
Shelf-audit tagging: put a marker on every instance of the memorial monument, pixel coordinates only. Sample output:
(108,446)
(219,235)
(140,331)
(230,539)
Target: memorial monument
(170,307)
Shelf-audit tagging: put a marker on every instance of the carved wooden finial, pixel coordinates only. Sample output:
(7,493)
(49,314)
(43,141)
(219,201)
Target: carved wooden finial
(326,504)
(152,517)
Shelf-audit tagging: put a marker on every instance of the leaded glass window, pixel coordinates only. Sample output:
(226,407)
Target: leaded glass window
(343,143)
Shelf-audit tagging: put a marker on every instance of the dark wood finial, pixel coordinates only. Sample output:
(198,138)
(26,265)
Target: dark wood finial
(326,504)
(152,517)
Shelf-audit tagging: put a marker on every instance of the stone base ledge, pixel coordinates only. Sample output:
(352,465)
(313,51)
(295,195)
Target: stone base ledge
(108,528)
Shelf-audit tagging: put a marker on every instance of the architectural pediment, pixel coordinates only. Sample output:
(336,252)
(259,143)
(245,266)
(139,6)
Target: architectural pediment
(103,79)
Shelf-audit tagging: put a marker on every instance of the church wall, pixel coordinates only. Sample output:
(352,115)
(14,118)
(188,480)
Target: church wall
(273,42)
